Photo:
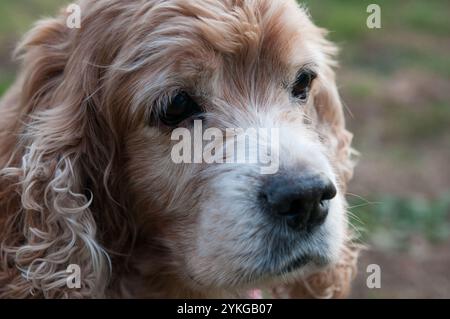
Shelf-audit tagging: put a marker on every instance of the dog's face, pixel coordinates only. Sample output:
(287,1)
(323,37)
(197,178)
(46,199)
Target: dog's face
(196,147)
(231,64)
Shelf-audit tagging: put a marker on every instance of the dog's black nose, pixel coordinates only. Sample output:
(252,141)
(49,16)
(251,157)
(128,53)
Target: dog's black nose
(302,201)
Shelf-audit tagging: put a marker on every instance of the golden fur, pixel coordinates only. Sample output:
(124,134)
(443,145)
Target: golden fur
(84,181)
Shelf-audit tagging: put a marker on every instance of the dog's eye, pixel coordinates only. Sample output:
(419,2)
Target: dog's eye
(302,84)
(181,107)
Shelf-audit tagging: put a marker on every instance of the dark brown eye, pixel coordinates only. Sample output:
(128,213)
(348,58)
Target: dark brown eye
(181,107)
(302,85)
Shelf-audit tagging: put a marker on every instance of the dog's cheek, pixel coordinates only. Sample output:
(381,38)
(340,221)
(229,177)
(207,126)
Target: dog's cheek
(225,231)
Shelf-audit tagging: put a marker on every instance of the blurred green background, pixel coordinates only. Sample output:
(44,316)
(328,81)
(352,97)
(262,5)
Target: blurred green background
(395,82)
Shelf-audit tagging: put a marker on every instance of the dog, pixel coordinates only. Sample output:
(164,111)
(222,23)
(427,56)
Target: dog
(86,174)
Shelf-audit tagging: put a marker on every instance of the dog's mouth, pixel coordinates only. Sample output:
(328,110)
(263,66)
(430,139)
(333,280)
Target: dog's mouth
(294,265)
(263,276)
(300,262)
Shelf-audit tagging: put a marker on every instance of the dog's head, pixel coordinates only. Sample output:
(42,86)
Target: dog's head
(119,101)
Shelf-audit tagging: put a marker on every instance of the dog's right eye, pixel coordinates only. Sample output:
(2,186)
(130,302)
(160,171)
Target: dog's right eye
(181,107)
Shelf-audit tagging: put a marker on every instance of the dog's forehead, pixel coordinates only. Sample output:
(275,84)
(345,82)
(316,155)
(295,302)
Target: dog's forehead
(273,29)
(219,48)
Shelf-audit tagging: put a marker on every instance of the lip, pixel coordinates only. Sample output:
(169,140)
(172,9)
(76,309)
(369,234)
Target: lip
(294,264)
(301,261)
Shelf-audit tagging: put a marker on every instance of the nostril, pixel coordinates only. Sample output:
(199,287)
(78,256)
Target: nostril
(263,197)
(329,191)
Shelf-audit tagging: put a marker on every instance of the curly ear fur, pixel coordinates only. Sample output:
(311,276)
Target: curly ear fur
(53,150)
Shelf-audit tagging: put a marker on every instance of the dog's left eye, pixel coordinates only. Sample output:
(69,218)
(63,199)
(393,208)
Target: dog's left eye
(181,107)
(302,84)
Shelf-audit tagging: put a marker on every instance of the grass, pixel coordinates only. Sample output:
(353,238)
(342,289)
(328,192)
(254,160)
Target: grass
(386,59)
(347,22)
(17,16)
(394,221)
(5,82)
(347,19)
(423,125)
(428,16)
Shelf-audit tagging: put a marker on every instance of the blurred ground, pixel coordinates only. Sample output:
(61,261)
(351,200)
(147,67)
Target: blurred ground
(395,82)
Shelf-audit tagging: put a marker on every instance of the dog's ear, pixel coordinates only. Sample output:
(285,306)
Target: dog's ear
(56,187)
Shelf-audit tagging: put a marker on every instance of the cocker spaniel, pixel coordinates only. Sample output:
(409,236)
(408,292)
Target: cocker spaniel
(87,175)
